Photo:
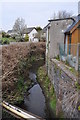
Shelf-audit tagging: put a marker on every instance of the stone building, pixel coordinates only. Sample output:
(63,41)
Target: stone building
(55,35)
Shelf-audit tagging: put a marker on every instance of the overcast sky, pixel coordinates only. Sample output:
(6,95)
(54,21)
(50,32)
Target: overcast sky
(34,13)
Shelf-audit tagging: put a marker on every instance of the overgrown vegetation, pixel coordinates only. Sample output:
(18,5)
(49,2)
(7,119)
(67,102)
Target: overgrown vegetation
(77,85)
(17,82)
(26,38)
(47,87)
(79,108)
(5,35)
(23,83)
(72,70)
(7,116)
(57,57)
(20,89)
(66,64)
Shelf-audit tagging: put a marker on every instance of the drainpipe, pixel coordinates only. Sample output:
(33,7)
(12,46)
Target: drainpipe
(47,47)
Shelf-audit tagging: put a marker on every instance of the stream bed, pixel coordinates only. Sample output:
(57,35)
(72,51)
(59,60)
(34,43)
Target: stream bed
(35,101)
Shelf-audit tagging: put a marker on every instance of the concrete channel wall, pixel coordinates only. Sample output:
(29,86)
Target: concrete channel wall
(66,92)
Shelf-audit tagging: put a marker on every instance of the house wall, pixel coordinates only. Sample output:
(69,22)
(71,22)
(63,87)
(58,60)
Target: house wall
(32,35)
(75,38)
(79,35)
(57,35)
(74,41)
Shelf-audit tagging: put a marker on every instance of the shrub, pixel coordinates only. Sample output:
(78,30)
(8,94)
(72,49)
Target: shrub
(7,35)
(5,41)
(3,34)
(26,38)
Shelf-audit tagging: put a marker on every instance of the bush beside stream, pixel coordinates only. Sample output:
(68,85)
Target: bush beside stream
(17,61)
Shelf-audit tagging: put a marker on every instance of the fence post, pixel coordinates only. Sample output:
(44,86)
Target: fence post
(77,56)
(0,82)
(79,64)
(78,104)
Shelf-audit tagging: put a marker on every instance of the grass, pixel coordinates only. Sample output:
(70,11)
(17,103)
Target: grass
(53,104)
(47,87)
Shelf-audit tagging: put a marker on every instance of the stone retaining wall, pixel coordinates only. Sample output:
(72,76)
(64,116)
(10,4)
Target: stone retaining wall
(66,92)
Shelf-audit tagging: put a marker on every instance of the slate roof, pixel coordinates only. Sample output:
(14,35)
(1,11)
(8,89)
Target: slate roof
(74,23)
(30,29)
(45,28)
(9,31)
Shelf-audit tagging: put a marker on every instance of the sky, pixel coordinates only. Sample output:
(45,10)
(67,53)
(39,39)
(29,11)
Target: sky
(35,13)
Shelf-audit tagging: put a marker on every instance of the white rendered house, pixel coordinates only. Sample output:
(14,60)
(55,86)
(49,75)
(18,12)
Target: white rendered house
(32,35)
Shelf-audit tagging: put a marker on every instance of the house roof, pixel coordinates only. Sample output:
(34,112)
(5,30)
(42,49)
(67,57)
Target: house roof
(9,31)
(61,19)
(45,28)
(30,29)
(74,23)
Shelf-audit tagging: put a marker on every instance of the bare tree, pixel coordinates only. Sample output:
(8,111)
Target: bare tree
(54,16)
(62,14)
(20,27)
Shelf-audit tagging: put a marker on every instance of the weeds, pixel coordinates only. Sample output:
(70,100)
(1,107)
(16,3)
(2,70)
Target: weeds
(47,87)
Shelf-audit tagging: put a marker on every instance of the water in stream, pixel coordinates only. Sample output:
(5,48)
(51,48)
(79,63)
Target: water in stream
(35,101)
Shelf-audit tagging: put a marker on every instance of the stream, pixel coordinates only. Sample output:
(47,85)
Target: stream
(34,99)
(35,102)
